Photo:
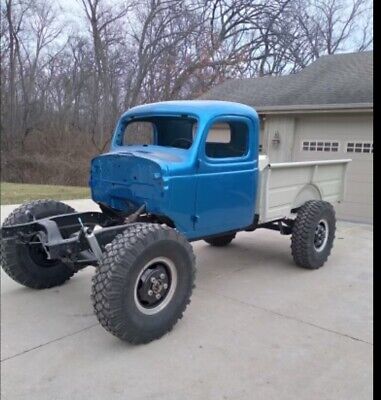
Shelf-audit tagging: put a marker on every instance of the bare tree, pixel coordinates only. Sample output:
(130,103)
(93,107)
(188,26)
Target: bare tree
(326,26)
(102,17)
(15,15)
(65,88)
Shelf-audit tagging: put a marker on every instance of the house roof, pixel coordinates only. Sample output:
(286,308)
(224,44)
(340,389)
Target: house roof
(340,81)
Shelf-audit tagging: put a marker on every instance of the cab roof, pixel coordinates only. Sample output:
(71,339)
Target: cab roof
(200,108)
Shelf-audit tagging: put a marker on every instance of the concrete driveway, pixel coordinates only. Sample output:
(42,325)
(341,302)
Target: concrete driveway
(258,328)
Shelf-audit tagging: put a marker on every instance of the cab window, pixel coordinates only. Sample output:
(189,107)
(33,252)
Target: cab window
(227,139)
(162,131)
(139,132)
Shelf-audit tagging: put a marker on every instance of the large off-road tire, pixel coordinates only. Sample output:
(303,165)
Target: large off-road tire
(313,234)
(142,262)
(220,241)
(28,264)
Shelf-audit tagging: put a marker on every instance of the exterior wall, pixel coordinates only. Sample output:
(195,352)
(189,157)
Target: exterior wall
(284,128)
(342,128)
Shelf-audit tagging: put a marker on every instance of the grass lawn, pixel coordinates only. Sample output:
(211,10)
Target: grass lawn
(15,193)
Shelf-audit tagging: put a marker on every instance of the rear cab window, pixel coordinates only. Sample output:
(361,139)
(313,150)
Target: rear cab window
(228,139)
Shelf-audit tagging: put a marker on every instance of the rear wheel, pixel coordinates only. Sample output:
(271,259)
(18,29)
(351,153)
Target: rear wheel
(220,241)
(313,234)
(144,282)
(27,263)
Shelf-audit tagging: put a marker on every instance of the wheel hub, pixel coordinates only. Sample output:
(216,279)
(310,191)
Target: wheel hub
(153,285)
(39,255)
(321,235)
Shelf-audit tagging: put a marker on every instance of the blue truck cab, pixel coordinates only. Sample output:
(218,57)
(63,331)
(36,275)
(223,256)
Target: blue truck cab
(193,163)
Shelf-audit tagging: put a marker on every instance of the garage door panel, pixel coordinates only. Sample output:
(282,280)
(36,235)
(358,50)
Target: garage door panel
(354,212)
(358,202)
(360,167)
(360,178)
(359,192)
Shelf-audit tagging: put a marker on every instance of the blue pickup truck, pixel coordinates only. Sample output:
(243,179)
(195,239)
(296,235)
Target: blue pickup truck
(176,172)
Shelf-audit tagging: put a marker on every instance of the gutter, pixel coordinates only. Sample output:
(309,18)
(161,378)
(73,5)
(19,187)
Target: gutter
(316,108)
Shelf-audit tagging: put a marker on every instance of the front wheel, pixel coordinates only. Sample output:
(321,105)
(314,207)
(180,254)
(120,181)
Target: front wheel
(144,282)
(313,234)
(27,263)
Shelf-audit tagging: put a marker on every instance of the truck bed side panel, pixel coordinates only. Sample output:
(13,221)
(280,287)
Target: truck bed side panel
(286,186)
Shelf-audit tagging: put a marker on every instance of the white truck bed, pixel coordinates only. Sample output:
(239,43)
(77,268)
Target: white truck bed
(286,186)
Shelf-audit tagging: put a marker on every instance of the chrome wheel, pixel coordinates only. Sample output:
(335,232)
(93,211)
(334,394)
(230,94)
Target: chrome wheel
(155,285)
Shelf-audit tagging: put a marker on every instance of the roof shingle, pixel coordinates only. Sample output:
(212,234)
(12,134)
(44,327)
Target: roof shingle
(339,79)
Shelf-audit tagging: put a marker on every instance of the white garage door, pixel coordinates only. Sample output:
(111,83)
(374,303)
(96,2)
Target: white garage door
(344,136)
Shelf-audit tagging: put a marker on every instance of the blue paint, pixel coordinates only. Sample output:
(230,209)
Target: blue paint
(201,195)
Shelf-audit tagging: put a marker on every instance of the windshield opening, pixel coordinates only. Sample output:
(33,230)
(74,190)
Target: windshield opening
(165,131)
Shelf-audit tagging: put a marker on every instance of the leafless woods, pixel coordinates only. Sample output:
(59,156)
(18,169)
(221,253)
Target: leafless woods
(66,76)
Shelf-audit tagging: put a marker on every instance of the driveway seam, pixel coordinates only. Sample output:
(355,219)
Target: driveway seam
(49,342)
(216,294)
(287,316)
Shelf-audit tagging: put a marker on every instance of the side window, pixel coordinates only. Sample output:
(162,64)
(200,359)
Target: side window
(227,139)
(360,147)
(139,132)
(316,145)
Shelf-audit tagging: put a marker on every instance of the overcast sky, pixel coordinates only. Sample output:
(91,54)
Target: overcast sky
(73,12)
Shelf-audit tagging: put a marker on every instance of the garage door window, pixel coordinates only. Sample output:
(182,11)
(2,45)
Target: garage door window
(359,147)
(317,145)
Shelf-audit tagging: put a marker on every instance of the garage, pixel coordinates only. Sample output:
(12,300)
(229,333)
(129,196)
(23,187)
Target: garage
(323,112)
(342,136)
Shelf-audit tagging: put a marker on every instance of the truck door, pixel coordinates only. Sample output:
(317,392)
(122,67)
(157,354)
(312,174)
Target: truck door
(227,175)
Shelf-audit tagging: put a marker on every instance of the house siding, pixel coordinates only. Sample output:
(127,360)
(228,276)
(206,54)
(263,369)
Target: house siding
(342,128)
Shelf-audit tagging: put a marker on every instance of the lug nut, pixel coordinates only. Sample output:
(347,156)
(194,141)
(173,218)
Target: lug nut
(158,296)
(165,286)
(150,293)
(162,276)
(153,279)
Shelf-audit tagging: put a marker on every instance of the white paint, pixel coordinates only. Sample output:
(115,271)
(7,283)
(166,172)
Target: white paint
(290,185)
